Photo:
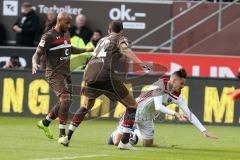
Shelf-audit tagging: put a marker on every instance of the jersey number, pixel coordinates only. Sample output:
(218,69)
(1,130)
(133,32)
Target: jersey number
(100,50)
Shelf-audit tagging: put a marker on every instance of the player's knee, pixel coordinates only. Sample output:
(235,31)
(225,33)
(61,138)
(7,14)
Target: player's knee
(148,143)
(117,139)
(116,142)
(65,99)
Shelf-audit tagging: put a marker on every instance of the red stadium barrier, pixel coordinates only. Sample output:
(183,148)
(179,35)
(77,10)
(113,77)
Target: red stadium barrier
(199,66)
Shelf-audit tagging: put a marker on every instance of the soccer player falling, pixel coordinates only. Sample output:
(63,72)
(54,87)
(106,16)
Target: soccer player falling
(55,44)
(99,78)
(161,93)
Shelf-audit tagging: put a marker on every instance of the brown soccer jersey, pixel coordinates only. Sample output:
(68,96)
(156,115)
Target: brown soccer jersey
(58,49)
(106,59)
(100,76)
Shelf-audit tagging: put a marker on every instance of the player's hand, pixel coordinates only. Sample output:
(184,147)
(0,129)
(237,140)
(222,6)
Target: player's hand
(89,49)
(147,67)
(209,135)
(180,117)
(35,67)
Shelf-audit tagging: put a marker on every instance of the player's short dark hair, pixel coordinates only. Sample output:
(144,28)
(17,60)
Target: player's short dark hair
(181,73)
(116,26)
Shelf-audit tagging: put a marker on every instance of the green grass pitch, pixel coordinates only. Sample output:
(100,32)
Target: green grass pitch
(21,140)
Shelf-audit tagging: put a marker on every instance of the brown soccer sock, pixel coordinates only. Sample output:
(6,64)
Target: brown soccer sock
(127,123)
(76,121)
(51,116)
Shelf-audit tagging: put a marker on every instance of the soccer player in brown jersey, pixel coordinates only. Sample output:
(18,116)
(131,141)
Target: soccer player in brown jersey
(55,44)
(100,78)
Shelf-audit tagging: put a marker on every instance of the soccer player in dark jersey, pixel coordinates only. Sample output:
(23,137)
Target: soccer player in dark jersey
(100,78)
(55,44)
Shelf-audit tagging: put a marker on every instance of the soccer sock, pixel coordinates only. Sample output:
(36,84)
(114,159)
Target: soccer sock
(71,130)
(77,119)
(79,116)
(139,135)
(51,116)
(126,135)
(127,123)
(46,121)
(54,111)
(62,130)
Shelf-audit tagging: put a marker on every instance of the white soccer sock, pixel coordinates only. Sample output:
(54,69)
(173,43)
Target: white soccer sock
(126,130)
(72,127)
(48,118)
(62,126)
(138,133)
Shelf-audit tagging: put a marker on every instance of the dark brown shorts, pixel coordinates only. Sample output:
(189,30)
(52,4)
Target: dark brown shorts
(60,83)
(114,90)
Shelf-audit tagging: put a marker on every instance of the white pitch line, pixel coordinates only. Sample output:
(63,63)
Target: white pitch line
(73,157)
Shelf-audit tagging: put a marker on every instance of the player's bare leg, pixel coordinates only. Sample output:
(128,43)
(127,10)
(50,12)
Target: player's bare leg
(64,102)
(77,119)
(115,137)
(59,110)
(80,115)
(147,142)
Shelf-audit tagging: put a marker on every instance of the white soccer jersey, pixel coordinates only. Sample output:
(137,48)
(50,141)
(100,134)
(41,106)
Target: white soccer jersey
(159,91)
(154,101)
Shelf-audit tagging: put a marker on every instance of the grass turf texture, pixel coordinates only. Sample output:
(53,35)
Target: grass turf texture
(21,140)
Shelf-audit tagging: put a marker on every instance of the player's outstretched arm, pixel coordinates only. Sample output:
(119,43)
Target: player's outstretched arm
(194,120)
(75,50)
(35,59)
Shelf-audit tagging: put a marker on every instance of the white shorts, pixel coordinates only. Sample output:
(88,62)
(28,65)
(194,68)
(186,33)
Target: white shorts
(146,129)
(144,119)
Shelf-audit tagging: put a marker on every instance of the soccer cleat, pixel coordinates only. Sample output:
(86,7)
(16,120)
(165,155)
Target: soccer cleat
(64,141)
(46,130)
(127,146)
